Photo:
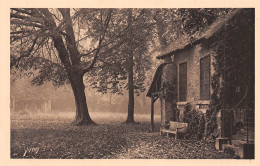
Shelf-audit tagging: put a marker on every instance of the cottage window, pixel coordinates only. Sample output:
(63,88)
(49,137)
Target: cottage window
(205,78)
(183,81)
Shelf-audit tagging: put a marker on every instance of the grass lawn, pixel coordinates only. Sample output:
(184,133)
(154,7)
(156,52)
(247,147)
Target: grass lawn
(52,136)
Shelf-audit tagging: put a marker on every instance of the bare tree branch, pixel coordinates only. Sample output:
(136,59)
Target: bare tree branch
(116,37)
(58,41)
(99,43)
(31,24)
(17,32)
(22,11)
(51,62)
(114,46)
(30,19)
(15,15)
(42,42)
(39,33)
(28,52)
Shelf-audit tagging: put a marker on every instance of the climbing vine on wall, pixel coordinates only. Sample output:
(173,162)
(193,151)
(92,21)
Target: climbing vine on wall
(215,103)
(169,87)
(233,65)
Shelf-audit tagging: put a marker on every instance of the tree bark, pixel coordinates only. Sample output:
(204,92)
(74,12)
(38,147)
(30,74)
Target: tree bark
(152,112)
(130,116)
(78,87)
(82,114)
(75,74)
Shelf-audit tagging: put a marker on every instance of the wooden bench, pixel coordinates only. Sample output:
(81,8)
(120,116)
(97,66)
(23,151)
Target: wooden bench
(175,128)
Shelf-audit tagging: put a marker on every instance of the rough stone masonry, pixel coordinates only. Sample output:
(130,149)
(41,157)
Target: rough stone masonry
(169,93)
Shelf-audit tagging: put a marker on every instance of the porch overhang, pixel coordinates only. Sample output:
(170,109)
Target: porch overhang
(155,87)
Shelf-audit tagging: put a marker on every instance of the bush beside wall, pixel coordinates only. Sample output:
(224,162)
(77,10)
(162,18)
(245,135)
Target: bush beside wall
(196,122)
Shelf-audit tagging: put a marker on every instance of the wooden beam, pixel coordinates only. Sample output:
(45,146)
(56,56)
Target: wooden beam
(155,99)
(152,112)
(157,93)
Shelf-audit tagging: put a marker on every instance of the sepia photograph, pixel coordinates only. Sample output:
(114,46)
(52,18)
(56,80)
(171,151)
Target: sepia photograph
(132,83)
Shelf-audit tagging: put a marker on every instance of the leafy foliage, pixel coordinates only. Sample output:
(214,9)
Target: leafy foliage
(168,88)
(31,36)
(233,66)
(196,122)
(111,73)
(34,42)
(30,32)
(52,38)
(61,45)
(195,20)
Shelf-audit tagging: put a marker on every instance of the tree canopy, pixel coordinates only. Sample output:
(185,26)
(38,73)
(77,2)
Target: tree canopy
(113,46)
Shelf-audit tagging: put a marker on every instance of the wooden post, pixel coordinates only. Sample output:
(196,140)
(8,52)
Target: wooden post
(152,113)
(45,106)
(49,105)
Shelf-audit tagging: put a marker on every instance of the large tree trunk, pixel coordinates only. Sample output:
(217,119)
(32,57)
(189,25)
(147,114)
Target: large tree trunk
(70,58)
(82,115)
(76,81)
(130,116)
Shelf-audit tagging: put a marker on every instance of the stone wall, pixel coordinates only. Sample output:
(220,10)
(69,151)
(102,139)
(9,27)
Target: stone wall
(192,57)
(169,96)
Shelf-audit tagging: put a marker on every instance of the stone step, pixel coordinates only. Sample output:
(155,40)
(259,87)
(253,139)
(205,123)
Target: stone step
(231,149)
(240,148)
(237,142)
(243,138)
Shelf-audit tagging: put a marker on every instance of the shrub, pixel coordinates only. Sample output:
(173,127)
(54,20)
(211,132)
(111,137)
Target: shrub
(211,123)
(196,122)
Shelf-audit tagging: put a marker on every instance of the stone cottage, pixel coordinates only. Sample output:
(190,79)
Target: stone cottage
(213,73)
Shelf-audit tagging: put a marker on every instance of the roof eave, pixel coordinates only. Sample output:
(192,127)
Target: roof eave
(179,50)
(156,75)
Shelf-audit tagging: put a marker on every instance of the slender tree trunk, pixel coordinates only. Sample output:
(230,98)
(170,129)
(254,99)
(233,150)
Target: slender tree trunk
(130,116)
(82,114)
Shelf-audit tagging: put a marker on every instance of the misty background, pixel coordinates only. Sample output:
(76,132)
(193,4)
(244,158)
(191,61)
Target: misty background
(30,100)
